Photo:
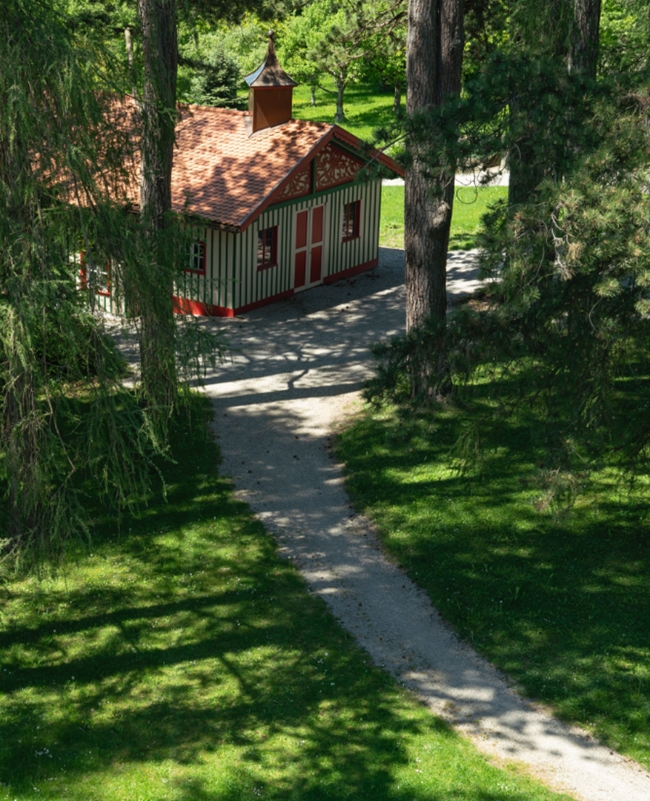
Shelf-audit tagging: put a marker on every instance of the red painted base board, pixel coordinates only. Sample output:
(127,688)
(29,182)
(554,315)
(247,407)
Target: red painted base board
(187,306)
(264,301)
(360,268)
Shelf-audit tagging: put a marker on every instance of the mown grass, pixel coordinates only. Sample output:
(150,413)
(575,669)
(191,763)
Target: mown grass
(470,204)
(366,107)
(559,601)
(182,660)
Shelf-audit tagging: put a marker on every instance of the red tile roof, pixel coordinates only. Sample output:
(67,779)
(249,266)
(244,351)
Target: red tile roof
(223,173)
(227,177)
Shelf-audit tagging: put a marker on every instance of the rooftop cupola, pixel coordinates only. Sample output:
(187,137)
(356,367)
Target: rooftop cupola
(270,92)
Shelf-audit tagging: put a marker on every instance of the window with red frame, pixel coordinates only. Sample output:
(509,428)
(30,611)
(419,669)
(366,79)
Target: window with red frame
(267,248)
(96,276)
(196,258)
(351,216)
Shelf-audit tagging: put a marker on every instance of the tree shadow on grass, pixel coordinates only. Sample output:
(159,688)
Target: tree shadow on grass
(185,644)
(558,600)
(189,658)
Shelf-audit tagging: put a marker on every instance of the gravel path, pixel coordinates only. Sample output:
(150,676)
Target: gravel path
(295,375)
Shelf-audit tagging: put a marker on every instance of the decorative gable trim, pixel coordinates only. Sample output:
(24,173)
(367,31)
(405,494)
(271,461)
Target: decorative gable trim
(273,196)
(335,167)
(298,186)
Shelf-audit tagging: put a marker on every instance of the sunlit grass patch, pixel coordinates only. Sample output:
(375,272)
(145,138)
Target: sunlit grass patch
(182,660)
(367,108)
(561,602)
(470,205)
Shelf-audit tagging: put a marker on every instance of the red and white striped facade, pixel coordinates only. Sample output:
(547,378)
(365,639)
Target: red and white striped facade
(312,246)
(283,202)
(310,251)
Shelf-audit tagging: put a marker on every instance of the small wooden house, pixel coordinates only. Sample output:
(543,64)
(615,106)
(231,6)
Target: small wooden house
(280,209)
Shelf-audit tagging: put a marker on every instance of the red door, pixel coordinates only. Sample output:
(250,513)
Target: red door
(302,224)
(310,230)
(316,261)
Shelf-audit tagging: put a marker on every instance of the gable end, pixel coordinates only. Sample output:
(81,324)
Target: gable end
(335,167)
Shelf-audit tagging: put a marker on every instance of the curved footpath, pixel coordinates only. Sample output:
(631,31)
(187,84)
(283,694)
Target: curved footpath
(296,372)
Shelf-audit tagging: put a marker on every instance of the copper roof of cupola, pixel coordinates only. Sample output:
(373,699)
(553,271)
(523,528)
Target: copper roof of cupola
(270,73)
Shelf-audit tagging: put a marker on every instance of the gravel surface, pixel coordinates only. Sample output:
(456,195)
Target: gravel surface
(294,376)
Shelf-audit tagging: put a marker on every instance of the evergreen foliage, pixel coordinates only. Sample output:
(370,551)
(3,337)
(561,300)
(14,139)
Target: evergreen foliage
(332,38)
(217,80)
(568,310)
(65,411)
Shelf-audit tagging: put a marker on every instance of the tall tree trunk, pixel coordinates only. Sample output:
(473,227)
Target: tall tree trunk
(160,53)
(434,50)
(584,40)
(340,90)
(397,98)
(525,171)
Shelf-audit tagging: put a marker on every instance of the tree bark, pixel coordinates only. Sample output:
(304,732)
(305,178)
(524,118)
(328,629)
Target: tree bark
(584,40)
(433,67)
(525,172)
(425,282)
(397,98)
(340,90)
(158,114)
(312,95)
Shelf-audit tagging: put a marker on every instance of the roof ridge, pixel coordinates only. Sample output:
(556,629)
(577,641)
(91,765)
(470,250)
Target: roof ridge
(211,108)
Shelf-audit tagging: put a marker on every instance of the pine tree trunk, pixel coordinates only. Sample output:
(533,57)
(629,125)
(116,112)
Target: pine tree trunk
(433,65)
(340,89)
(526,172)
(584,40)
(160,54)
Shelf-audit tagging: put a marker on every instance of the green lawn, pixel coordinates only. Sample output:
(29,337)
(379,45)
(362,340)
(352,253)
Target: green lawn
(559,602)
(183,660)
(469,205)
(366,108)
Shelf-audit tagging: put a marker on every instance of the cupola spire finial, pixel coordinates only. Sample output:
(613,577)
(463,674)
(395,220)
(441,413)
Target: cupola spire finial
(270,92)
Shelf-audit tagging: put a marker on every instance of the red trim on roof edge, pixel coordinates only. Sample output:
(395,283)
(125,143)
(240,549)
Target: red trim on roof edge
(335,132)
(351,139)
(279,188)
